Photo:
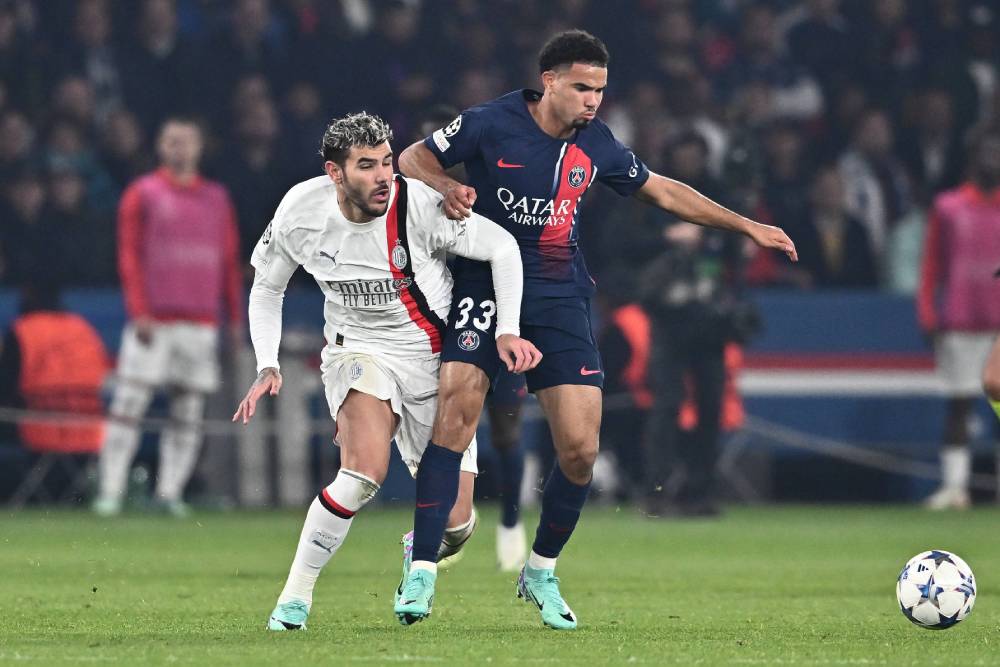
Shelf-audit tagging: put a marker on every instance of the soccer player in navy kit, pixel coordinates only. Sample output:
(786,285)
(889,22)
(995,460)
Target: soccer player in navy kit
(530,157)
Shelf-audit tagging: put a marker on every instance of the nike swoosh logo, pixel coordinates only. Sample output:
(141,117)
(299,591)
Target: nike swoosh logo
(568,617)
(426,505)
(507,165)
(586,371)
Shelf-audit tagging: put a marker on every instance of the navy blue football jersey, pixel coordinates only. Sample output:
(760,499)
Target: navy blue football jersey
(533,184)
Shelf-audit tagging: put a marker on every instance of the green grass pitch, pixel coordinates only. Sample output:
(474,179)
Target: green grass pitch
(761,586)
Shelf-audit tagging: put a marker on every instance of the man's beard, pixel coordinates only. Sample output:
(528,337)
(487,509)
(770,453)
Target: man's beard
(580,123)
(362,203)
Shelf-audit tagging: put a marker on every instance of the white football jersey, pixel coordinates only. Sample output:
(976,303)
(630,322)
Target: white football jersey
(387,287)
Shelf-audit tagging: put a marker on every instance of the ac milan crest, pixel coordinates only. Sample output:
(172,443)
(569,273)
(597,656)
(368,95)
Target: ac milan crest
(399,256)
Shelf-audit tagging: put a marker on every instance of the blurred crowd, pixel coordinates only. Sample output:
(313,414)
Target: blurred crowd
(839,120)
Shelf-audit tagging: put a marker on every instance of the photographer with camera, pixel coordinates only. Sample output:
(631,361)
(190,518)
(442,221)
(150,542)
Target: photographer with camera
(690,291)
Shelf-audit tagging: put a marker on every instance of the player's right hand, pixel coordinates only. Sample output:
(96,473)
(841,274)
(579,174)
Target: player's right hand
(268,382)
(458,202)
(519,354)
(144,329)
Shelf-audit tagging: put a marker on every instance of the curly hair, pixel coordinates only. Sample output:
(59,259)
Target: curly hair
(356,129)
(572,46)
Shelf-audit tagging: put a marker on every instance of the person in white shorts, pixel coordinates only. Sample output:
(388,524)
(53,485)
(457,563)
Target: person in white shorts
(376,243)
(958,303)
(178,259)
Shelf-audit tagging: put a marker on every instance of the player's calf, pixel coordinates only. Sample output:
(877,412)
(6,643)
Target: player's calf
(326,526)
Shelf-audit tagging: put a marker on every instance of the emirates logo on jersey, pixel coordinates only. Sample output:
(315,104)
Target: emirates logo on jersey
(399,256)
(577,175)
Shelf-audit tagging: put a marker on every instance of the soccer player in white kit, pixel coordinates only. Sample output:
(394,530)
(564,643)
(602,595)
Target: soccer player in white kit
(376,243)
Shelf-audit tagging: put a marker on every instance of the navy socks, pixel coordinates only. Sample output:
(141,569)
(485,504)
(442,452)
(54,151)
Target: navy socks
(511,474)
(562,502)
(437,489)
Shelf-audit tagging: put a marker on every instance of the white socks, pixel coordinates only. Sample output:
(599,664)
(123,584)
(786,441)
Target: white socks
(455,537)
(326,525)
(179,445)
(121,439)
(956,468)
(536,562)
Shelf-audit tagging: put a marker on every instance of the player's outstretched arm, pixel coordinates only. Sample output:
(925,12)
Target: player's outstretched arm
(418,162)
(688,204)
(268,382)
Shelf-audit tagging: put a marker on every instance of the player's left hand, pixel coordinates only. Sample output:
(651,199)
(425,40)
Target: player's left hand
(268,382)
(768,236)
(519,354)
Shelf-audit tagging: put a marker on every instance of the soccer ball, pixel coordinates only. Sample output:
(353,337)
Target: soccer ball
(936,589)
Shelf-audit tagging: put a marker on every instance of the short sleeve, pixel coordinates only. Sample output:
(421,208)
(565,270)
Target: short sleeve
(459,140)
(619,168)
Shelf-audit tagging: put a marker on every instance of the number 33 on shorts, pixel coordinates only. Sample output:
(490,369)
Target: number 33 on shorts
(468,318)
(487,310)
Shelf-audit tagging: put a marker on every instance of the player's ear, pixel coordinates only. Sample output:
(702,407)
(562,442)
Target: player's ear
(548,79)
(334,171)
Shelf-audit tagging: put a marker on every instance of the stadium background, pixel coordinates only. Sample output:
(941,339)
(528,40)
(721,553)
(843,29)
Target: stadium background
(839,388)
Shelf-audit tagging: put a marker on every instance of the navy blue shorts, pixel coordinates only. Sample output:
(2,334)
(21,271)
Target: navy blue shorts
(558,326)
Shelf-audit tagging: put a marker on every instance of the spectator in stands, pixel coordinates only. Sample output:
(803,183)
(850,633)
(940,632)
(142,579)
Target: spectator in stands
(817,42)
(834,250)
(304,121)
(959,304)
(255,169)
(247,43)
(158,69)
(23,235)
(179,262)
(890,49)
(92,54)
(67,142)
(786,174)
(933,151)
(79,244)
(877,187)
(786,87)
(17,139)
(123,148)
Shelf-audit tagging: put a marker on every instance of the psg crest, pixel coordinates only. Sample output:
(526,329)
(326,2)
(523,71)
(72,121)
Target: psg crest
(577,175)
(399,256)
(468,340)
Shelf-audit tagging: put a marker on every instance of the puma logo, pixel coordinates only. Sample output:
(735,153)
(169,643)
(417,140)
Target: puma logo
(332,258)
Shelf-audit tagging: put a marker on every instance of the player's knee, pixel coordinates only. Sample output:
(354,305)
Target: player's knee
(456,421)
(372,470)
(188,406)
(577,462)
(130,401)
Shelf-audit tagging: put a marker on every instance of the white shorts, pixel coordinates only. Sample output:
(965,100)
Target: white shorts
(181,354)
(410,386)
(960,358)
